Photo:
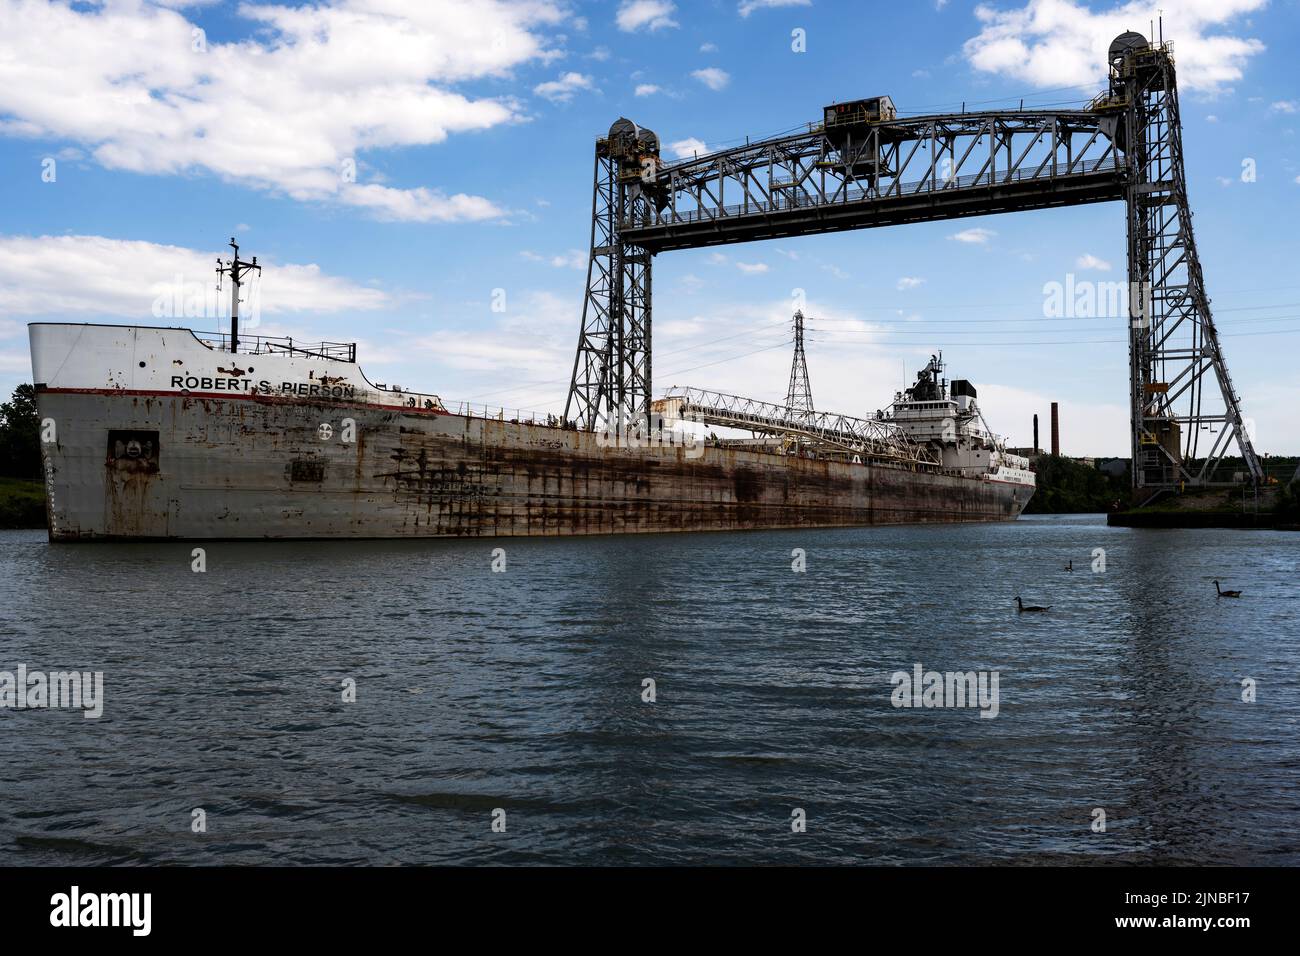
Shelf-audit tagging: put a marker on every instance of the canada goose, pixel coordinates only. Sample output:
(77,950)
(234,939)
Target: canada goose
(1223,593)
(1022,607)
(1070,565)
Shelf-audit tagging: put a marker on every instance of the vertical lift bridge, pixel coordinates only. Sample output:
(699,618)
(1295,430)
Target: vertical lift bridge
(862,166)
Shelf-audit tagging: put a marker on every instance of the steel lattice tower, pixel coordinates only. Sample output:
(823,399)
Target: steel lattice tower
(1174,350)
(611,370)
(798,397)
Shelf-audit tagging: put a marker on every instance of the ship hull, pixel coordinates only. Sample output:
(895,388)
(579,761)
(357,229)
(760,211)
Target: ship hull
(135,465)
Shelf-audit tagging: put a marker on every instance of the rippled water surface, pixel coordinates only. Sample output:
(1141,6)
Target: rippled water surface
(522,691)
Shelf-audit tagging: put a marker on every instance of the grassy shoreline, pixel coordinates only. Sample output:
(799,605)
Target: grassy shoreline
(22,504)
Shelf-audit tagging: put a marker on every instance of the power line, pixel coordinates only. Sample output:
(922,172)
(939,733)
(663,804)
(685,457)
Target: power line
(930,344)
(961,335)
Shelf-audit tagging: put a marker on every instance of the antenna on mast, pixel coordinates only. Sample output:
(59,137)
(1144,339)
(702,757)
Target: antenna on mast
(236,268)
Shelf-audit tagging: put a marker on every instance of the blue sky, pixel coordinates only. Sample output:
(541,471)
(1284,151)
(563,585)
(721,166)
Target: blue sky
(470,127)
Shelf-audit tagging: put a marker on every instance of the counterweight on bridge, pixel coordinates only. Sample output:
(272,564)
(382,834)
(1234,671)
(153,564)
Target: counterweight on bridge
(864,437)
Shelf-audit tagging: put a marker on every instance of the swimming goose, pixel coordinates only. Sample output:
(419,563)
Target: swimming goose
(1022,607)
(1223,593)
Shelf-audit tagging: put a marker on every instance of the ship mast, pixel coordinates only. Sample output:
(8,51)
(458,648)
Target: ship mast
(236,268)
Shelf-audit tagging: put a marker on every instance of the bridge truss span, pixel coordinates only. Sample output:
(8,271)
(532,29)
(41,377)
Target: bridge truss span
(855,176)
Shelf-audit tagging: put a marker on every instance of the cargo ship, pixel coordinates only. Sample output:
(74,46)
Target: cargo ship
(154,433)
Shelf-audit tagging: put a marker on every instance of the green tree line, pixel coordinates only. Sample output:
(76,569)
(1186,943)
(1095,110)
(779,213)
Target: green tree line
(22,499)
(20,436)
(1070,487)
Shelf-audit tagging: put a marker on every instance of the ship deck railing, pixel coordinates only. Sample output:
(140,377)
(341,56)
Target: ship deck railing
(280,345)
(500,413)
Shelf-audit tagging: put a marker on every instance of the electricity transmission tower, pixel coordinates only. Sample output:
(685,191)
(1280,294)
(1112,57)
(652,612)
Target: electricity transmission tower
(798,397)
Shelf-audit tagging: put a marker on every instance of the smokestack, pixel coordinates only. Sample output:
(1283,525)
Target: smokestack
(1056,430)
(1035,433)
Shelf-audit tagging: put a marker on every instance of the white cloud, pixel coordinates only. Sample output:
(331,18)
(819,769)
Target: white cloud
(687,148)
(647,89)
(746,7)
(95,276)
(712,77)
(1055,43)
(492,352)
(977,235)
(1089,261)
(562,89)
(1211,118)
(285,109)
(908,282)
(752,268)
(650,14)
(535,336)
(708,48)
(417,205)
(573,259)
(1284,106)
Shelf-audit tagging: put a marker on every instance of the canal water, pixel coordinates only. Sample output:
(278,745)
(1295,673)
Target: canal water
(505,716)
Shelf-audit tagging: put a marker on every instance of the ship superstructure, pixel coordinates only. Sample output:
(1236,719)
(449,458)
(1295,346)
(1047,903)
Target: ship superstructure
(946,418)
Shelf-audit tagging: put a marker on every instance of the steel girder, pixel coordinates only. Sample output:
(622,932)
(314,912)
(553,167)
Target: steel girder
(914,170)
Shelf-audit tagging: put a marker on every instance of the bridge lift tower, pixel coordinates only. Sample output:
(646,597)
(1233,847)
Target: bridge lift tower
(864,167)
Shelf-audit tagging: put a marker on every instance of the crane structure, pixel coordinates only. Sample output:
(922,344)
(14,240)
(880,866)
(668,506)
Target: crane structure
(876,439)
(863,166)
